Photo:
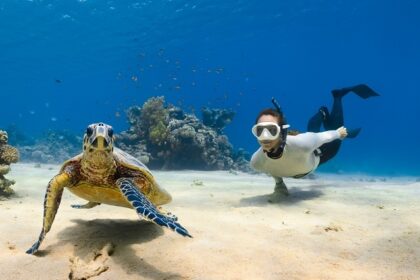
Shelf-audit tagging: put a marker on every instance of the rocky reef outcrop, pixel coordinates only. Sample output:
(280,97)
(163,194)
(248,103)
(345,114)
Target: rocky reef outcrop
(164,136)
(161,135)
(217,119)
(52,147)
(8,155)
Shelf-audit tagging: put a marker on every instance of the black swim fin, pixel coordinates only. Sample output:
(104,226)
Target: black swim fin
(352,133)
(361,90)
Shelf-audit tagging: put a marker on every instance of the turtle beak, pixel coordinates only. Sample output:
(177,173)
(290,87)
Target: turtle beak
(100,143)
(101,138)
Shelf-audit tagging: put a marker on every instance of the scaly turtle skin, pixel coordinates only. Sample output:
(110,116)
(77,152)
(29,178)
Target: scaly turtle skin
(105,174)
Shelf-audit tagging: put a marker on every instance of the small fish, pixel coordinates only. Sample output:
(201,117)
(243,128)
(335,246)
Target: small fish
(58,81)
(134,78)
(117,114)
(219,70)
(53,119)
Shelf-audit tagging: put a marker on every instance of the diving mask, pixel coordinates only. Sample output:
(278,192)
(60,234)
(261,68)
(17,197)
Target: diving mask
(267,130)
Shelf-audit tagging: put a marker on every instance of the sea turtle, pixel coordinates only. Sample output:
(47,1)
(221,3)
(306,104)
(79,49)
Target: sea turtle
(105,174)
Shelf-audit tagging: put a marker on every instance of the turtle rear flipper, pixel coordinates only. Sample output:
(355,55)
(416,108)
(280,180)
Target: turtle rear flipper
(88,205)
(146,209)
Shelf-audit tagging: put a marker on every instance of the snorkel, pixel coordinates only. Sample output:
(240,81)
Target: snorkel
(283,132)
(283,126)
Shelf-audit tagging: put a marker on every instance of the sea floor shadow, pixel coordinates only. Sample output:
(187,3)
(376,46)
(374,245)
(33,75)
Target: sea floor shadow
(296,195)
(93,235)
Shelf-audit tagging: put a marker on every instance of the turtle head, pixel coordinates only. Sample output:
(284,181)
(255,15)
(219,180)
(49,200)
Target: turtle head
(99,137)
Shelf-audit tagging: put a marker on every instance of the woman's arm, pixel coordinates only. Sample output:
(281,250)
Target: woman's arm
(310,141)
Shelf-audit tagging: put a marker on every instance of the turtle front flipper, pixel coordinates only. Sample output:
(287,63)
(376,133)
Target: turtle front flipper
(88,205)
(51,203)
(146,209)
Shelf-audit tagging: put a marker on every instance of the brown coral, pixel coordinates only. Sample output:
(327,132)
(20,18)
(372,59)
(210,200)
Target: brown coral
(4,169)
(8,154)
(5,189)
(3,137)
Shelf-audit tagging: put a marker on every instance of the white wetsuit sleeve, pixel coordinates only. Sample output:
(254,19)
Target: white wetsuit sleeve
(257,160)
(311,141)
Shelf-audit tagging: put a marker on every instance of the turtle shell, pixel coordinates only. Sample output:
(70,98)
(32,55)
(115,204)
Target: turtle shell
(129,161)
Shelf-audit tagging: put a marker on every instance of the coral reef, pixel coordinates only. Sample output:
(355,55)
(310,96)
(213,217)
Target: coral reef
(217,119)
(52,147)
(160,135)
(169,138)
(17,137)
(8,155)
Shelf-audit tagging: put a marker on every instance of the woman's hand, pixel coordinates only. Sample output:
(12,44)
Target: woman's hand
(342,131)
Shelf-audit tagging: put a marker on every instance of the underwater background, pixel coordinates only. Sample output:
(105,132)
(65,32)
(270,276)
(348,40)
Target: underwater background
(66,64)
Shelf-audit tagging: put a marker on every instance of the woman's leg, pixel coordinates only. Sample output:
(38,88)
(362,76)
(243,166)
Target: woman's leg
(334,120)
(280,191)
(314,123)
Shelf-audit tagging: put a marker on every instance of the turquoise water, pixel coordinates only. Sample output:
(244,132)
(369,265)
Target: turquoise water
(65,64)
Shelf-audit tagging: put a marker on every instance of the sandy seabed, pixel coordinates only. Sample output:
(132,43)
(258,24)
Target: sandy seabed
(331,227)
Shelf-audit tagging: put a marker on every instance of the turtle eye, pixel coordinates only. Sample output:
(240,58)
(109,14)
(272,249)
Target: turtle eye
(89,131)
(110,132)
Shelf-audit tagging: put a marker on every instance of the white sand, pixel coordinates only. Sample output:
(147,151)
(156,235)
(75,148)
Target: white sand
(333,227)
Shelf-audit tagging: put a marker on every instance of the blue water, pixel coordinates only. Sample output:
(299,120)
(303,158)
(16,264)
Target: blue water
(65,64)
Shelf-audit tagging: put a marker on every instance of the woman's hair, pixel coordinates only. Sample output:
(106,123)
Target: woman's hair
(271,112)
(275,113)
